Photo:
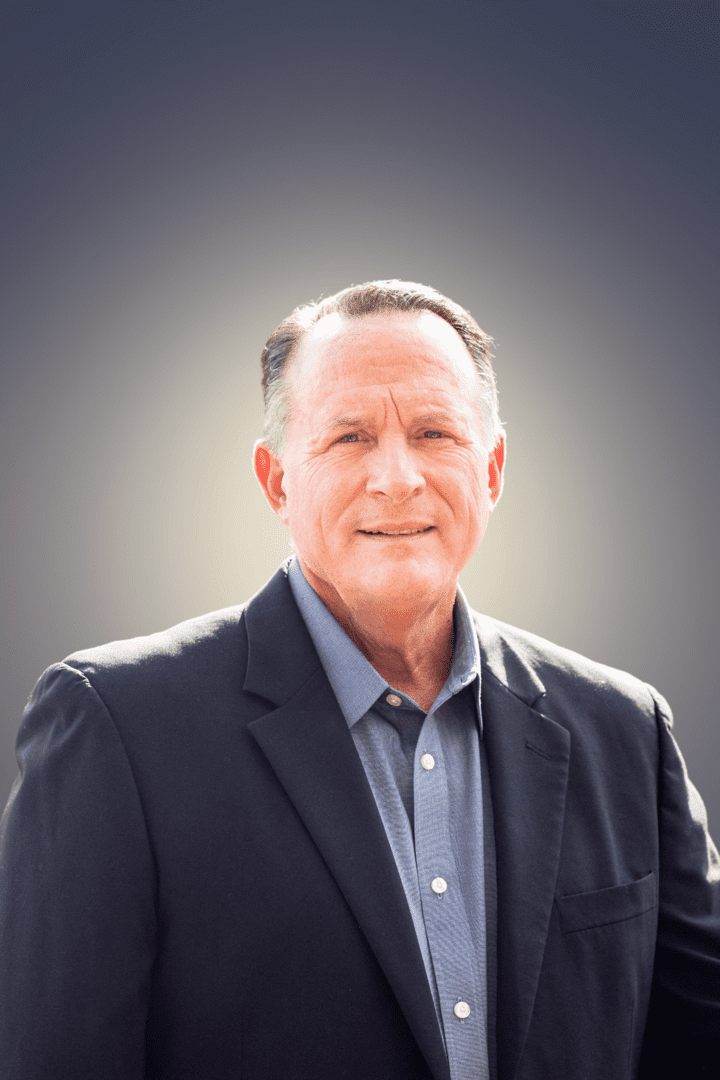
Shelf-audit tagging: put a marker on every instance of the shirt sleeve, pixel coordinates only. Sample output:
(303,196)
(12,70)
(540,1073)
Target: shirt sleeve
(683,1032)
(77,895)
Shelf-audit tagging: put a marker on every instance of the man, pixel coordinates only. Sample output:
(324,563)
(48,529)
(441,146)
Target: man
(353,829)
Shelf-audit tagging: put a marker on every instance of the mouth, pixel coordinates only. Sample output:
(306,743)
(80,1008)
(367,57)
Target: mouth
(399,531)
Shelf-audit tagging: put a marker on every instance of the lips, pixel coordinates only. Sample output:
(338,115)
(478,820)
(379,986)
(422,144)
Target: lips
(397,530)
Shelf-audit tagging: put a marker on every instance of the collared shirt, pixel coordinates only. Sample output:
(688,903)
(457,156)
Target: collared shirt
(424,771)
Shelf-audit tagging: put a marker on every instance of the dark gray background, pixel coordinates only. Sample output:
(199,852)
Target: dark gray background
(180,175)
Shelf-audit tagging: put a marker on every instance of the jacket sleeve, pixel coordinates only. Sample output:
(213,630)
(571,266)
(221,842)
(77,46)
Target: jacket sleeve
(77,896)
(683,1032)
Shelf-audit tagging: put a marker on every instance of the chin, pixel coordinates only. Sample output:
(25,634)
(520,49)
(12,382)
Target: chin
(401,583)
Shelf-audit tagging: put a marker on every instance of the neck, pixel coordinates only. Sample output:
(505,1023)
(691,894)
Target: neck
(411,645)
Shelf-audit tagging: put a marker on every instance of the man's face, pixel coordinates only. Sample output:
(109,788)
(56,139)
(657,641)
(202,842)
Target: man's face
(385,481)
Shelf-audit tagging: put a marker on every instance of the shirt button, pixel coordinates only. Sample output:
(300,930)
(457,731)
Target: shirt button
(393,699)
(461,1010)
(438,885)
(428,762)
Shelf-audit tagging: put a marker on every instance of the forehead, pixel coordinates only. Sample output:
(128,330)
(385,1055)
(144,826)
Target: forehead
(414,350)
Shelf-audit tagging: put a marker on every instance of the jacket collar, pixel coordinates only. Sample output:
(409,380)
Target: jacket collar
(505,663)
(281,655)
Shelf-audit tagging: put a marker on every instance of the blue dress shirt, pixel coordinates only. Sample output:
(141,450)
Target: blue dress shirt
(425,774)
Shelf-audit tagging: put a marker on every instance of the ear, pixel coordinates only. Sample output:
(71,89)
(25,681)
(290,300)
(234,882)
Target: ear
(269,471)
(496,464)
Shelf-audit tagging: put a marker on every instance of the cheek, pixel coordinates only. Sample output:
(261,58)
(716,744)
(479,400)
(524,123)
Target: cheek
(471,513)
(465,489)
(304,485)
(316,497)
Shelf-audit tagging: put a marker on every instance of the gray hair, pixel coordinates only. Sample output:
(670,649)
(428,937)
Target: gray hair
(372,298)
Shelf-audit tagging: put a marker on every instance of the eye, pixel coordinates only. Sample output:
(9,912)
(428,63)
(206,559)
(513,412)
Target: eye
(351,437)
(433,434)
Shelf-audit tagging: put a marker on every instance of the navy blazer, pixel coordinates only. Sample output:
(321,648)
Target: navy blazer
(196,882)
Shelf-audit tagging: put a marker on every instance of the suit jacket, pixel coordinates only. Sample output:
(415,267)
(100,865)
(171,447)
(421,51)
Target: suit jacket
(196,882)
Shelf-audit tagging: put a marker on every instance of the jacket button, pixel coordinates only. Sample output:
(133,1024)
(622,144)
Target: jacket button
(393,699)
(438,885)
(461,1010)
(428,762)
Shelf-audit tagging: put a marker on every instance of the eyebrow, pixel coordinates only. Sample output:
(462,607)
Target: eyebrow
(433,418)
(348,420)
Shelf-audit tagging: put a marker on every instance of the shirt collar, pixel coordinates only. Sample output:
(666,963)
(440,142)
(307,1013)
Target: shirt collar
(355,682)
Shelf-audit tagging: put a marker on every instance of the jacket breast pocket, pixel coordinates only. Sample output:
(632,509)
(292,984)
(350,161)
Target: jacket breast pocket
(583,911)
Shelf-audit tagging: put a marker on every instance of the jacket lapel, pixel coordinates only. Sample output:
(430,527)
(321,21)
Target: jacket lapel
(528,757)
(307,742)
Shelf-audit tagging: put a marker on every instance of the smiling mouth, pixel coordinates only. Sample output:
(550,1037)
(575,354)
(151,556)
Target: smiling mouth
(396,532)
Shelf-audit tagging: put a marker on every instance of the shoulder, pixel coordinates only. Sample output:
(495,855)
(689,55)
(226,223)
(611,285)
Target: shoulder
(142,682)
(198,667)
(568,682)
(214,640)
(210,651)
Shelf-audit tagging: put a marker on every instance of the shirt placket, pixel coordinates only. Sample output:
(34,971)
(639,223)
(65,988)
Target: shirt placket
(447,926)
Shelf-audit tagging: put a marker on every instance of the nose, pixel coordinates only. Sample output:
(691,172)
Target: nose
(395,471)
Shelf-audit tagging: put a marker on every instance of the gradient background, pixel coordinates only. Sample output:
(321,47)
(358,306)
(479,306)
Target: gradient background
(181,175)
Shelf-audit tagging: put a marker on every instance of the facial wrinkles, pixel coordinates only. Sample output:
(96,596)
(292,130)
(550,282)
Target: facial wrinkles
(381,422)
(382,399)
(419,342)
(374,410)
